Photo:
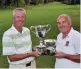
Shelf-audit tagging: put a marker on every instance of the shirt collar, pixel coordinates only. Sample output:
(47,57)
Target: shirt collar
(16,31)
(69,34)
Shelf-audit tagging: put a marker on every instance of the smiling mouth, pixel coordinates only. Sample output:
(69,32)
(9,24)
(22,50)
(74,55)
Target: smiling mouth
(20,22)
(62,27)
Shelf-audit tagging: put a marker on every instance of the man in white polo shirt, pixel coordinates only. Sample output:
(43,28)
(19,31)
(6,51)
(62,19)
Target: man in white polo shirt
(67,45)
(17,44)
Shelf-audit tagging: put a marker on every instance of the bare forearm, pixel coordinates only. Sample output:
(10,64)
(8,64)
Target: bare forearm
(75,58)
(17,57)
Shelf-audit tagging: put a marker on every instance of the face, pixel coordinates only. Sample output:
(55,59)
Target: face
(19,18)
(63,24)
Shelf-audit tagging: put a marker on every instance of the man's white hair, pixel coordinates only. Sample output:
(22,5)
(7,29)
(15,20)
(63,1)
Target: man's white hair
(66,16)
(18,9)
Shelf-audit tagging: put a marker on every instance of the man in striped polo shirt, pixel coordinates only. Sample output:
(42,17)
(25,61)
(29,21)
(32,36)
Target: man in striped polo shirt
(17,43)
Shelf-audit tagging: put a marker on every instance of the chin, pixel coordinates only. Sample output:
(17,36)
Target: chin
(63,31)
(20,26)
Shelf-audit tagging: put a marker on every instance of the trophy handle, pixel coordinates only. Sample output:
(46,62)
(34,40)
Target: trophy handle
(48,25)
(32,27)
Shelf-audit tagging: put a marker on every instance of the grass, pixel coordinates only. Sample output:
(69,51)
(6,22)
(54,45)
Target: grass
(40,14)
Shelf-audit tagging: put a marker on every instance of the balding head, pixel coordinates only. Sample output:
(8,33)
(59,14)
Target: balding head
(66,16)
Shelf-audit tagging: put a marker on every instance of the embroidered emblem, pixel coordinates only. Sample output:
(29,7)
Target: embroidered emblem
(67,43)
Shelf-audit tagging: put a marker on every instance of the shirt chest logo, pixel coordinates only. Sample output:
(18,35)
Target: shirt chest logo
(67,43)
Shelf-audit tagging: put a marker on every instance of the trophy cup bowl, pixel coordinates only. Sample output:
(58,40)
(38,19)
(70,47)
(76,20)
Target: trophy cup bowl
(40,31)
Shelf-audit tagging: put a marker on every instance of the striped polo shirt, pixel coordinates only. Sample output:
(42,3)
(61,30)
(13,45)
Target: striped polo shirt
(15,42)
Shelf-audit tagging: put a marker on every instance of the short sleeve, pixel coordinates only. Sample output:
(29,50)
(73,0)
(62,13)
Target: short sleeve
(8,45)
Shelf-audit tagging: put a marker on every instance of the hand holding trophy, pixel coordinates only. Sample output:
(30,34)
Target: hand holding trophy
(40,31)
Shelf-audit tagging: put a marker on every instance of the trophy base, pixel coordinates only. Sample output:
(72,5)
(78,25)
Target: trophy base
(41,46)
(45,50)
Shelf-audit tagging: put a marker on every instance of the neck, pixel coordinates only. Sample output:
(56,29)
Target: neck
(66,33)
(19,29)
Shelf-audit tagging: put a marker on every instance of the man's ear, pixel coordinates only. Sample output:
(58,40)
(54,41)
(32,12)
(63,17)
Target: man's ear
(70,23)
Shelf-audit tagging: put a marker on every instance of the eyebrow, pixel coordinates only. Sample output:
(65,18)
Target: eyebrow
(59,22)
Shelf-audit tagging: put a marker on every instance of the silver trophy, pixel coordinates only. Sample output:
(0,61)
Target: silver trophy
(50,46)
(40,31)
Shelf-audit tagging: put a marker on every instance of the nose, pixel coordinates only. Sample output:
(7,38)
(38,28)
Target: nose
(21,18)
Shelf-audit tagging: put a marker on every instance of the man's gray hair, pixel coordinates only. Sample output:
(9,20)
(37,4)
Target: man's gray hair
(18,9)
(66,16)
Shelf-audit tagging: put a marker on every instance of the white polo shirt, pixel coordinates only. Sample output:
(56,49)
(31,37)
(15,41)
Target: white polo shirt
(17,43)
(69,45)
